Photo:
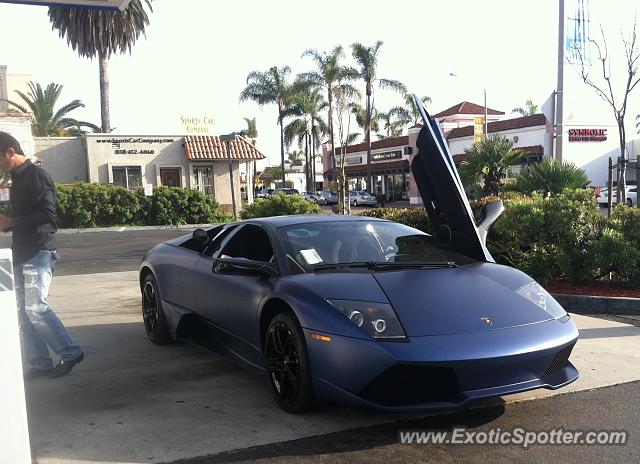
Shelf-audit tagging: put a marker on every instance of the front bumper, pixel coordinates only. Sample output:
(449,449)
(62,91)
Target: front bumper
(443,371)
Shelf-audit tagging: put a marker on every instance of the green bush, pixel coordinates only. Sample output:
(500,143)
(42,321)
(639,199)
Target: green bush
(100,205)
(280,204)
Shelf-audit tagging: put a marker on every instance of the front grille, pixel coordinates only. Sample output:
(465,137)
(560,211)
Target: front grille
(403,385)
(558,361)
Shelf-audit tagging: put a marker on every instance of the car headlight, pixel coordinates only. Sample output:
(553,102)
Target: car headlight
(379,320)
(539,296)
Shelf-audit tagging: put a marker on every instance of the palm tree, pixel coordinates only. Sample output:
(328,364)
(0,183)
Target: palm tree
(308,126)
(46,121)
(360,115)
(367,60)
(328,75)
(251,131)
(392,127)
(550,176)
(530,109)
(268,87)
(295,158)
(101,33)
(489,160)
(409,113)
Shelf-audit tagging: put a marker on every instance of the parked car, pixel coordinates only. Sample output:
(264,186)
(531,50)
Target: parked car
(631,193)
(361,198)
(362,310)
(264,193)
(330,198)
(287,191)
(315,197)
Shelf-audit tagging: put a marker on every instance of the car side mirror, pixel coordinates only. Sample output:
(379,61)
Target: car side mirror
(488,215)
(200,236)
(244,267)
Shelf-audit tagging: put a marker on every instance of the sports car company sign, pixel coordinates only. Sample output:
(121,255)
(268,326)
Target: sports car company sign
(587,135)
(98,4)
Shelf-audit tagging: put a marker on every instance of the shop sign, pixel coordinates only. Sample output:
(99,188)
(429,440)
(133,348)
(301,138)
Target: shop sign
(587,135)
(197,125)
(478,129)
(119,144)
(354,160)
(387,155)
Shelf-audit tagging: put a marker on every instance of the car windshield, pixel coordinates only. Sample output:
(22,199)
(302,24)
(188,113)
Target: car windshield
(342,242)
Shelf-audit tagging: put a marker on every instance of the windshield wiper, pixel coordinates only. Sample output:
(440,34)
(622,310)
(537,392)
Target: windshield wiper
(380,266)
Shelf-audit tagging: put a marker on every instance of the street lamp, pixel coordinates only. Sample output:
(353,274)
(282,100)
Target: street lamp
(228,138)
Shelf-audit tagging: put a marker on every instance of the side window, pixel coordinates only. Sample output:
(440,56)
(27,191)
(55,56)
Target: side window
(198,246)
(251,242)
(214,246)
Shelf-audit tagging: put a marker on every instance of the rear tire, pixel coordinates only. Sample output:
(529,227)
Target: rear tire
(289,369)
(155,322)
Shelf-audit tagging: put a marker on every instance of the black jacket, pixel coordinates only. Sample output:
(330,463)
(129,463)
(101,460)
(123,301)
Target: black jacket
(33,208)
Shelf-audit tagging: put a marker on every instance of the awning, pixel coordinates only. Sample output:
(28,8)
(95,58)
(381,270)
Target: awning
(211,148)
(377,169)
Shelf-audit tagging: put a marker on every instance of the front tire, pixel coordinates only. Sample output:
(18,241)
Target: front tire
(288,361)
(155,322)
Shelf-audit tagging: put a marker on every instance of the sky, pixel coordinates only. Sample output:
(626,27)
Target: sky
(197,53)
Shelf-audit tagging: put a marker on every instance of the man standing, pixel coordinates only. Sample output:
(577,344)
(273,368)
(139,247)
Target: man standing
(32,218)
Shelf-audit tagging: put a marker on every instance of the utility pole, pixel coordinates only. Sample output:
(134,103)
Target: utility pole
(560,85)
(228,138)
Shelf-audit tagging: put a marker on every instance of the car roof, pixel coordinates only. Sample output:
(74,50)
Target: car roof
(282,221)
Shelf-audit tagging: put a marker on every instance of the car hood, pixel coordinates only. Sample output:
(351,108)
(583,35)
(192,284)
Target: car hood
(448,301)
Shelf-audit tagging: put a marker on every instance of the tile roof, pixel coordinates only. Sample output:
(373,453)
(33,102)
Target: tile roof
(376,168)
(497,126)
(210,147)
(378,144)
(466,107)
(528,151)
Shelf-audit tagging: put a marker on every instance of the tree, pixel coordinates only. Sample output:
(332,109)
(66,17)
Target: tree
(530,109)
(392,127)
(295,158)
(308,126)
(360,117)
(270,87)
(367,61)
(46,121)
(102,33)
(604,88)
(251,131)
(270,174)
(328,75)
(409,113)
(550,176)
(488,161)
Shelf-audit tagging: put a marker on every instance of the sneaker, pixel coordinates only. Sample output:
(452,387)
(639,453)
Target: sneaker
(64,367)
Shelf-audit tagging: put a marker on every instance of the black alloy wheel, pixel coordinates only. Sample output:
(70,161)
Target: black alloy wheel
(153,316)
(288,365)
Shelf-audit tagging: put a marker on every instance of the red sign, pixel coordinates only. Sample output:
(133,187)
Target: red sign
(587,135)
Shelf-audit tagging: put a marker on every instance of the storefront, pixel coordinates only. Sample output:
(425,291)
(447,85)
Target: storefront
(194,162)
(389,167)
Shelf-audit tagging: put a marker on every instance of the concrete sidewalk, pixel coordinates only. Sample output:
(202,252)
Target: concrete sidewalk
(133,402)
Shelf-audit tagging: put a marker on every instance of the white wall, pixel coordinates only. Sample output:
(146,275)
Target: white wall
(19,126)
(64,158)
(527,137)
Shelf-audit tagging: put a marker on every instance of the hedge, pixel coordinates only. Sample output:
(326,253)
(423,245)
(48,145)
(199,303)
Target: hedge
(280,204)
(563,236)
(100,205)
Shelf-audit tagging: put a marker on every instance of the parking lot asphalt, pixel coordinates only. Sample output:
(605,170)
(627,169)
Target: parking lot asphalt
(133,402)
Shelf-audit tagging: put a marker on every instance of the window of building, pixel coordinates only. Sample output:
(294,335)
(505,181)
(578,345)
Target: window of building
(203,176)
(129,177)
(170,177)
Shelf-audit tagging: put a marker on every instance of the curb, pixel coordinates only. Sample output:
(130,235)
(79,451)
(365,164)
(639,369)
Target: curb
(585,304)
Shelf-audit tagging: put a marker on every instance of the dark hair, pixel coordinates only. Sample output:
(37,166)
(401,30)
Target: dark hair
(8,141)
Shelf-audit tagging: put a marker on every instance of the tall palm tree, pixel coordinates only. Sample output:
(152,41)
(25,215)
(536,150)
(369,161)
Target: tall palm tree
(45,119)
(360,116)
(102,33)
(328,75)
(295,158)
(251,131)
(391,124)
(271,87)
(489,160)
(530,109)
(367,59)
(409,113)
(308,126)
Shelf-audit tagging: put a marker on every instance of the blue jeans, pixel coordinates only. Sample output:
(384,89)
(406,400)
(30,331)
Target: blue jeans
(39,325)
